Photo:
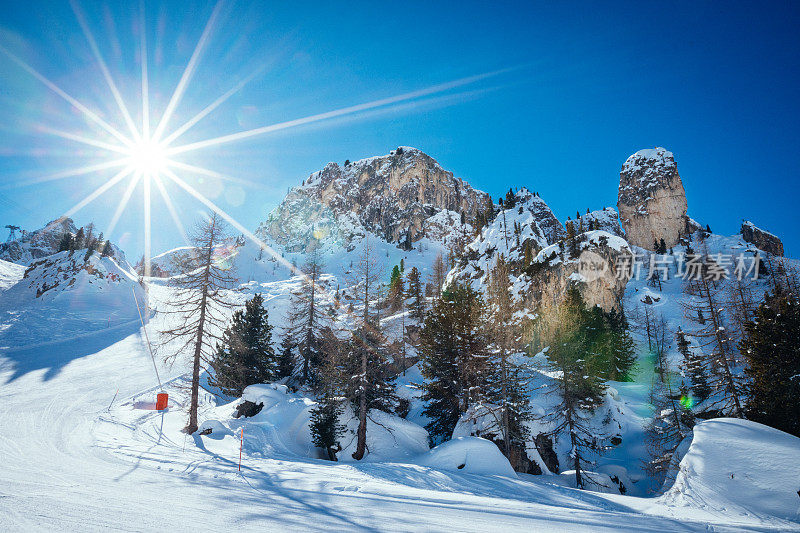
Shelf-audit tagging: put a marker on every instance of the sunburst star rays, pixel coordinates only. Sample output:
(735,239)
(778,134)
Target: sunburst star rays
(145,157)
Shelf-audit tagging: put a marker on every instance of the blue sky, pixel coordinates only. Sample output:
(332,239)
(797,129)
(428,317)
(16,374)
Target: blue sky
(575,89)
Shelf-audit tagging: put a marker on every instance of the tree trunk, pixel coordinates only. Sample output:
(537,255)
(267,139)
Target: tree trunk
(722,348)
(504,392)
(310,328)
(361,434)
(191,427)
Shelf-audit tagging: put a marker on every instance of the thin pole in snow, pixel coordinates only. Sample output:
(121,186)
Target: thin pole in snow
(241,443)
(150,348)
(112,400)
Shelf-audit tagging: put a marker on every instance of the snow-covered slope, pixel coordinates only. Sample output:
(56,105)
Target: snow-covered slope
(70,463)
(739,468)
(10,273)
(66,295)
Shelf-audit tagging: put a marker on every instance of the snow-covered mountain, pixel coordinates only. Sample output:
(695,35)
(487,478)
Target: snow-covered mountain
(396,197)
(72,353)
(67,294)
(35,244)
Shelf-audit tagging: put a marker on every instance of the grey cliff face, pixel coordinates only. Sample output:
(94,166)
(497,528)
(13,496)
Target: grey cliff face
(392,196)
(763,240)
(651,201)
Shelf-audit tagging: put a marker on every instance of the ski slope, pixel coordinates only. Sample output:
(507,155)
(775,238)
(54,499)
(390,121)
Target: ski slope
(71,461)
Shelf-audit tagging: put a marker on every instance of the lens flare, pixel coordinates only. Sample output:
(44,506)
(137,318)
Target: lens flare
(687,402)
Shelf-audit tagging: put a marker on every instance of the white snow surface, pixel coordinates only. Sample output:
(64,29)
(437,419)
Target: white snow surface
(469,454)
(82,448)
(740,467)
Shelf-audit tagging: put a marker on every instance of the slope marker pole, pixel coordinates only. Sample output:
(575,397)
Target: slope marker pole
(150,348)
(241,444)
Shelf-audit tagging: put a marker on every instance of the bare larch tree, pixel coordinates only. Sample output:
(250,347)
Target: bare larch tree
(200,302)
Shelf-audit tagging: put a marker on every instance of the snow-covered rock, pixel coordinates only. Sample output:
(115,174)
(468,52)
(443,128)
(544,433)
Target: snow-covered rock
(652,201)
(762,239)
(517,233)
(472,455)
(599,270)
(606,219)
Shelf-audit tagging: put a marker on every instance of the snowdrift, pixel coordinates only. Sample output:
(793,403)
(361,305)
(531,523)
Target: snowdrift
(282,427)
(10,273)
(739,466)
(472,455)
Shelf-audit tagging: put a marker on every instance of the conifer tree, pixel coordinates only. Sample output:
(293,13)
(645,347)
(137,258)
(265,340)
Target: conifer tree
(438,274)
(286,358)
(670,424)
(510,384)
(454,363)
(716,344)
(572,241)
(619,346)
(79,239)
(326,430)
(417,304)
(772,351)
(563,332)
(108,251)
(245,356)
(672,420)
(89,239)
(367,372)
(396,289)
(307,319)
(693,368)
(66,243)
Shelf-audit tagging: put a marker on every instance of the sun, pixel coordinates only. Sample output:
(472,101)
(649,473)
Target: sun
(149,158)
(143,155)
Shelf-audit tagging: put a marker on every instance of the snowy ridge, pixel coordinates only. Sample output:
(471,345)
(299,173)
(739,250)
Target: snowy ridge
(38,243)
(64,295)
(500,238)
(753,226)
(606,219)
(392,196)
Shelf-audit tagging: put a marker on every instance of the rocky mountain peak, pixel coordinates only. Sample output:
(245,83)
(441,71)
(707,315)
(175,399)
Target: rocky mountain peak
(39,243)
(391,195)
(651,201)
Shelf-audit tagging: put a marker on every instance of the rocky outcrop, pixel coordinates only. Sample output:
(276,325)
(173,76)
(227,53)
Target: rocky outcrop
(37,244)
(392,196)
(651,202)
(517,233)
(598,268)
(763,240)
(606,219)
(550,226)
